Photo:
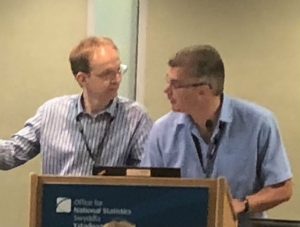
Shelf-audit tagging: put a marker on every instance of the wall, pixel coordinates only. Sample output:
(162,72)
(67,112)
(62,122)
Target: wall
(259,42)
(36,37)
(118,19)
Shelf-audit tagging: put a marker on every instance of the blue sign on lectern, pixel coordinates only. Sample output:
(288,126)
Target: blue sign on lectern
(142,206)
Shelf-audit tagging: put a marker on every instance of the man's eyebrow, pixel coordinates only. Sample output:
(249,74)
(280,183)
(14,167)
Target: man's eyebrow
(108,70)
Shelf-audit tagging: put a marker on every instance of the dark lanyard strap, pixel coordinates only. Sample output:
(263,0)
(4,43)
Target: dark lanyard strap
(212,151)
(211,156)
(99,149)
(199,151)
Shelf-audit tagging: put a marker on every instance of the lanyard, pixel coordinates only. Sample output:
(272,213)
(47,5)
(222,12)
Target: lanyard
(212,151)
(99,150)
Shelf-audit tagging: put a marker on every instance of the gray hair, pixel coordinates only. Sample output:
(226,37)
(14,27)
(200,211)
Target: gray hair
(203,62)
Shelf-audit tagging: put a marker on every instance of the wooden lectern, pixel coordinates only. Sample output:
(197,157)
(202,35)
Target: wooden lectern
(138,201)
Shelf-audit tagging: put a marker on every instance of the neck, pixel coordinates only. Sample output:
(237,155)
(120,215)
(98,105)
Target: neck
(94,106)
(207,111)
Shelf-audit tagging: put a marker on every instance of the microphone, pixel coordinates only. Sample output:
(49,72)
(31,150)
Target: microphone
(209,125)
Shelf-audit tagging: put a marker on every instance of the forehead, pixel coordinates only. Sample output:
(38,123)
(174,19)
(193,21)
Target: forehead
(105,56)
(177,73)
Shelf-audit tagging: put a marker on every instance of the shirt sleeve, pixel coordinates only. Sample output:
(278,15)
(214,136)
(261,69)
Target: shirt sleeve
(22,146)
(138,139)
(275,166)
(152,156)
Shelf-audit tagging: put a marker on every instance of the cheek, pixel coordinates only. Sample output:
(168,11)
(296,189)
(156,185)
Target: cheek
(119,79)
(182,97)
(185,100)
(189,99)
(96,86)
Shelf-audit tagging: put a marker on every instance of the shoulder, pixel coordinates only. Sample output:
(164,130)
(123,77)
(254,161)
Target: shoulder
(251,117)
(245,109)
(168,126)
(133,113)
(169,117)
(61,102)
(130,106)
(67,99)
(170,121)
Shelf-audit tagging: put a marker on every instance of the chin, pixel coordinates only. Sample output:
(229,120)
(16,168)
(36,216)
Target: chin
(176,109)
(180,110)
(114,93)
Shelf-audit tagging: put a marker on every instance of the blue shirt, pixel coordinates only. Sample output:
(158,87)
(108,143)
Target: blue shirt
(246,148)
(63,133)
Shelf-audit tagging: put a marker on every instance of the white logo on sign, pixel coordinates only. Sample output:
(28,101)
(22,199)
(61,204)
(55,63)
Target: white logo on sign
(63,205)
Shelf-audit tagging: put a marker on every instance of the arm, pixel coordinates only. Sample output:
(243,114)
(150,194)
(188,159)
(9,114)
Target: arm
(267,198)
(273,171)
(22,146)
(152,156)
(138,140)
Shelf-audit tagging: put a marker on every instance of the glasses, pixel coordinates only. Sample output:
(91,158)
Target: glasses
(176,84)
(123,69)
(110,74)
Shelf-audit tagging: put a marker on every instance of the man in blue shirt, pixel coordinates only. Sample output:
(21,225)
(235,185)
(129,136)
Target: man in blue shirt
(75,133)
(209,134)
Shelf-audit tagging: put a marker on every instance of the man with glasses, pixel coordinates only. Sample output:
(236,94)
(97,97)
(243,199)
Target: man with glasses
(209,134)
(75,133)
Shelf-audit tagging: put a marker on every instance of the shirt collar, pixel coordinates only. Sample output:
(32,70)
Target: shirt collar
(225,115)
(111,109)
(226,110)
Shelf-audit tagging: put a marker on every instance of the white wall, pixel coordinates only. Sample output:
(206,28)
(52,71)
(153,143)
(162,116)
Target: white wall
(36,38)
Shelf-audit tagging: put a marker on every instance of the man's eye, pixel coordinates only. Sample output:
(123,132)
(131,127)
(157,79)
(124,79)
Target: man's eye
(174,83)
(106,74)
(110,74)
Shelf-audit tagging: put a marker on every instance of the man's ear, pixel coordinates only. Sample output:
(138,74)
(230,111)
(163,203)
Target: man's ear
(81,78)
(201,92)
(205,90)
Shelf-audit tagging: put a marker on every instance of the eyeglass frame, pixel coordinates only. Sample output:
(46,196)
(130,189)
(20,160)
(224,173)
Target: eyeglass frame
(174,86)
(109,75)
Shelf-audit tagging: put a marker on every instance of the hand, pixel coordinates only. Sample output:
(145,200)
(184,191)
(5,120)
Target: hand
(238,206)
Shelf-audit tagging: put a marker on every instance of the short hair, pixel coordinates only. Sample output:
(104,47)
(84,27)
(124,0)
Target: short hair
(203,62)
(82,54)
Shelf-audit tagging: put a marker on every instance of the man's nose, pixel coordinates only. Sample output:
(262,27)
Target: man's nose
(117,77)
(167,88)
